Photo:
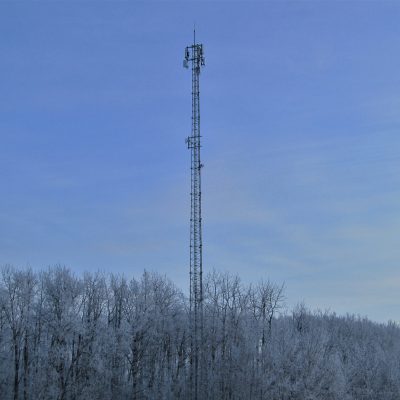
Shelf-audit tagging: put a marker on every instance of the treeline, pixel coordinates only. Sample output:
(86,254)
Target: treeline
(64,337)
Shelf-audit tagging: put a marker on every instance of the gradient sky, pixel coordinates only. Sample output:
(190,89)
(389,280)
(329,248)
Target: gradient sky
(300,122)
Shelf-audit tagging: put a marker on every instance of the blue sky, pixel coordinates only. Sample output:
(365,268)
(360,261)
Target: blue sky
(300,122)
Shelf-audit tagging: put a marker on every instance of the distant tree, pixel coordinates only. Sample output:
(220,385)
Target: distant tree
(17,296)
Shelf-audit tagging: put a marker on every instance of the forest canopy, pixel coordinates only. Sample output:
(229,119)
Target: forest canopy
(93,336)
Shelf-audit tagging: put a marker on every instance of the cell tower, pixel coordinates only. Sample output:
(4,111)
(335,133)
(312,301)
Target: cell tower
(194,55)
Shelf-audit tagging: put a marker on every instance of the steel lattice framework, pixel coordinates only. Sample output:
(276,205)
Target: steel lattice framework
(194,55)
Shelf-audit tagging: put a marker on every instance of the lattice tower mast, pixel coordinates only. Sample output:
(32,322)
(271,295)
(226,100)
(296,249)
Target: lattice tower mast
(194,55)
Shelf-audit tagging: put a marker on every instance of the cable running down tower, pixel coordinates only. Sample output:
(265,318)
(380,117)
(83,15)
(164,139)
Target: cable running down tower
(194,55)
